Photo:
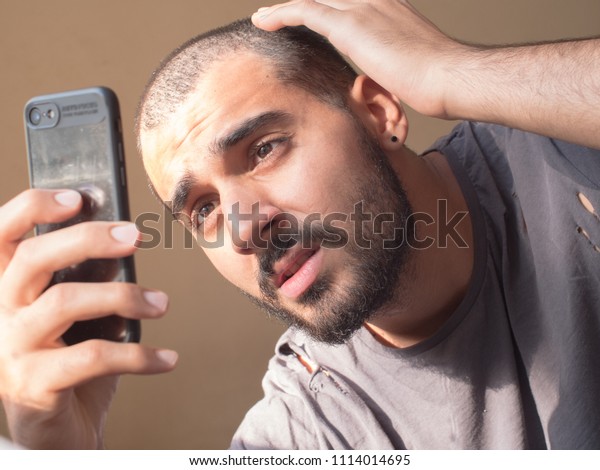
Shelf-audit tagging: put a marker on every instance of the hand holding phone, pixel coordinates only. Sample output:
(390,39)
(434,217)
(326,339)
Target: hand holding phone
(57,396)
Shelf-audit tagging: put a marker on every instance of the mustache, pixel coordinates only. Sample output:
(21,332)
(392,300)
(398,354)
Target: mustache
(273,253)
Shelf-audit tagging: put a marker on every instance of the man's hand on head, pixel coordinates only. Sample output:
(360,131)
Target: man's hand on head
(57,396)
(388,40)
(549,88)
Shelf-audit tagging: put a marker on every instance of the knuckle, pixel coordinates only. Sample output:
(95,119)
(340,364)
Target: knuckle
(19,385)
(125,291)
(31,201)
(125,295)
(81,232)
(101,356)
(57,296)
(96,233)
(24,252)
(308,5)
(86,235)
(29,197)
(22,206)
(137,357)
(16,382)
(92,352)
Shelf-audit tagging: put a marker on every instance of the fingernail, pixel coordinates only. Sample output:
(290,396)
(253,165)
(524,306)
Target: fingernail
(126,233)
(261,12)
(68,198)
(157,299)
(167,356)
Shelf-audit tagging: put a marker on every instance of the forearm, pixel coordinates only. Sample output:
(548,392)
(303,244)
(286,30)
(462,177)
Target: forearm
(551,89)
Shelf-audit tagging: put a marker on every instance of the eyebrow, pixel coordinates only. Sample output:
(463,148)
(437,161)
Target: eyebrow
(181,193)
(246,128)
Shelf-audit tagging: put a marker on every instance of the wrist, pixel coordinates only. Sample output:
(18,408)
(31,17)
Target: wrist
(461,79)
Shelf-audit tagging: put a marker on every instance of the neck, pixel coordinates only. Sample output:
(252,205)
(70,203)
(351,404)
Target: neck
(441,257)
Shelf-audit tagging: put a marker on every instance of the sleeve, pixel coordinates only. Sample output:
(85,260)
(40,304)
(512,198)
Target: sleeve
(278,421)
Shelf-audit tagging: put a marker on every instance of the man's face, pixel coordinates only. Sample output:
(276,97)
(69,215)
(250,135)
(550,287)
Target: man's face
(278,188)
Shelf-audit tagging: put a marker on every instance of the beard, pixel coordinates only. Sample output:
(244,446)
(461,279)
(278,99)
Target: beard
(339,309)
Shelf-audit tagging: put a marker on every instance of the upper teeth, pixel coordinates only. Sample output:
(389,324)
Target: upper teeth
(294,267)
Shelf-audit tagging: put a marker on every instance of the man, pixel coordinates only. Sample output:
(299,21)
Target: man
(478,330)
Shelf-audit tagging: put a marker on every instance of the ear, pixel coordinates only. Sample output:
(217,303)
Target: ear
(380,111)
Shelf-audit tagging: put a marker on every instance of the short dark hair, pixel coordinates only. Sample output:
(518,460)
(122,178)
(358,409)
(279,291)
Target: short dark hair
(300,56)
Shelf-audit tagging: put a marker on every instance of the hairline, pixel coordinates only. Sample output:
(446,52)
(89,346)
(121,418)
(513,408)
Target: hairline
(139,130)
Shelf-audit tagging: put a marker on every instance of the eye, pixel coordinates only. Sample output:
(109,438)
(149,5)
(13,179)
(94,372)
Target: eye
(201,212)
(268,149)
(265,149)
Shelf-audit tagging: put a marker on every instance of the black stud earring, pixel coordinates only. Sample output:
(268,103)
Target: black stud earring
(394,138)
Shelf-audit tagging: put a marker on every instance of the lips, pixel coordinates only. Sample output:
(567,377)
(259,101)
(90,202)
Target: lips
(297,271)
(292,266)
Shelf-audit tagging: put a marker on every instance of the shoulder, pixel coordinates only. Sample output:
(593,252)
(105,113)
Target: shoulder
(499,145)
(285,417)
(308,402)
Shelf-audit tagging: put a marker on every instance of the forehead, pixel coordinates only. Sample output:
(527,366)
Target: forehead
(234,88)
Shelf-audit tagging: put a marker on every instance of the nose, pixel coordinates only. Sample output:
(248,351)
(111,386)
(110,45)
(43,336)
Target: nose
(247,216)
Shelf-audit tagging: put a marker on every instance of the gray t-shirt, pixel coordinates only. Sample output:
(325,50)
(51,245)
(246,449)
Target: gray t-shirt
(513,367)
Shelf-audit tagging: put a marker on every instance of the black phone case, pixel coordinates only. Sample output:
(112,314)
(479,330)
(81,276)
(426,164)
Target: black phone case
(74,140)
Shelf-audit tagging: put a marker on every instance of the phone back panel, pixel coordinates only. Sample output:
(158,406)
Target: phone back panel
(74,141)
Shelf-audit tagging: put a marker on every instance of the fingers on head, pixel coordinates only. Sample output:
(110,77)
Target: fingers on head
(295,13)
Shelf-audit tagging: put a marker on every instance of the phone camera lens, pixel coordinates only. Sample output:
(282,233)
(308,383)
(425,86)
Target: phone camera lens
(35,116)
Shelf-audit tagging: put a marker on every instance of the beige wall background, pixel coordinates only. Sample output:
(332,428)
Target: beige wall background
(224,343)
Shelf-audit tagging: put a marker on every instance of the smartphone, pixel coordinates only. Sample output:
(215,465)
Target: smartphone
(74,141)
